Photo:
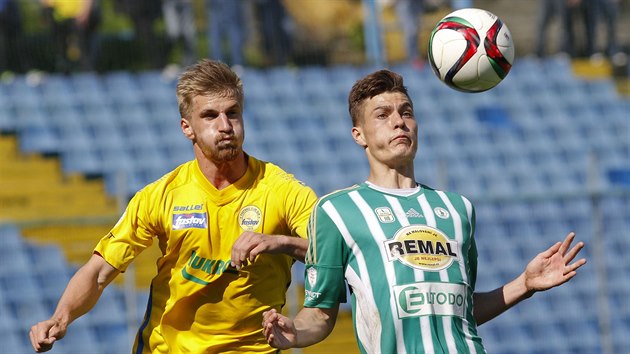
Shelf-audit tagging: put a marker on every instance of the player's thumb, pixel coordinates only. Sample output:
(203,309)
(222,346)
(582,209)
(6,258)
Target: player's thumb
(55,333)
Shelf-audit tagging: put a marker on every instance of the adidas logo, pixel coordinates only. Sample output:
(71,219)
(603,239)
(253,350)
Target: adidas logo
(413,213)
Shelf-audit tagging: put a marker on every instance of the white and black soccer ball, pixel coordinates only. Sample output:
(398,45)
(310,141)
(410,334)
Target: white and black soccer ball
(471,50)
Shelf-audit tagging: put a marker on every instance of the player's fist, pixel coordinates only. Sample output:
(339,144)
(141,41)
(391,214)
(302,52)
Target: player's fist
(44,334)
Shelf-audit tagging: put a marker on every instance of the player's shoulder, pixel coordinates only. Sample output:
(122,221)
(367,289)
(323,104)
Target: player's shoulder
(448,194)
(338,194)
(273,174)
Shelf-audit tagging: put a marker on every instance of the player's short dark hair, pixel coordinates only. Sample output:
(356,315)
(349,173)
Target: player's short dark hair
(372,85)
(207,77)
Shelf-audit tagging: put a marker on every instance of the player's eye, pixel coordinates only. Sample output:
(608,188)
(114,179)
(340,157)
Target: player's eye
(382,115)
(233,114)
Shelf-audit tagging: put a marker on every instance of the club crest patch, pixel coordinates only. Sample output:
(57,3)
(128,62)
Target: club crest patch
(385,215)
(441,213)
(249,218)
(311,275)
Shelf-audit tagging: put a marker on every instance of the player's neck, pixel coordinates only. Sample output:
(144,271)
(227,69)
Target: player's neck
(393,178)
(223,174)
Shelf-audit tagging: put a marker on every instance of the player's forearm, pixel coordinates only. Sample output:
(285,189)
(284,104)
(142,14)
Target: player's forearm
(313,325)
(294,247)
(83,290)
(491,304)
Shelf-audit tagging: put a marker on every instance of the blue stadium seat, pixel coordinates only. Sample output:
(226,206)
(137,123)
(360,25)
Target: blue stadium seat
(106,138)
(23,93)
(47,258)
(315,82)
(89,89)
(166,113)
(39,139)
(28,308)
(142,301)
(155,87)
(123,89)
(14,341)
(81,159)
(81,338)
(26,116)
(13,252)
(117,158)
(114,337)
(109,309)
(10,237)
(619,176)
(97,117)
(8,123)
(66,119)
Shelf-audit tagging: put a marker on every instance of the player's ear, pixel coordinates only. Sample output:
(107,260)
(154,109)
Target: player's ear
(357,134)
(186,128)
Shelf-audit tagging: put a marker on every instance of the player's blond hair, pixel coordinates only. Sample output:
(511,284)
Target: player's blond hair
(207,77)
(372,85)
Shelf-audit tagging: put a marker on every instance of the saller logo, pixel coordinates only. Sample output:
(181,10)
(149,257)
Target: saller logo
(190,221)
(421,247)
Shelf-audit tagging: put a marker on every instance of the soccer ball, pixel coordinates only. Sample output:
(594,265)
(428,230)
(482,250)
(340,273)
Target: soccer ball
(471,50)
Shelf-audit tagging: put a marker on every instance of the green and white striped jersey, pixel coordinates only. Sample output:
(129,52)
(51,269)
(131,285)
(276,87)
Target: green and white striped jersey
(410,262)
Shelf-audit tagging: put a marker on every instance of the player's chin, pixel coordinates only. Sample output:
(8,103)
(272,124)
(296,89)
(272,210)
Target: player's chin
(227,153)
(405,150)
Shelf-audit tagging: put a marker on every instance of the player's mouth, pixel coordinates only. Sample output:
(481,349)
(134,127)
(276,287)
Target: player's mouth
(401,138)
(227,139)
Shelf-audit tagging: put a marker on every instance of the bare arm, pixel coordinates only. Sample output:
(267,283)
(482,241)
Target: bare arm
(251,244)
(548,269)
(80,295)
(310,326)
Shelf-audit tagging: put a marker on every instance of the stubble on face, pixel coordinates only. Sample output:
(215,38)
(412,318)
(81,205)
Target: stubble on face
(226,149)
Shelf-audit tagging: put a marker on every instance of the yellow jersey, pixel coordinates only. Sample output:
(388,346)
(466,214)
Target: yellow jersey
(66,9)
(198,303)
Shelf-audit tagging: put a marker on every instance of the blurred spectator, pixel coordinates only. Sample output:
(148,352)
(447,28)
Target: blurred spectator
(608,12)
(180,28)
(226,27)
(582,18)
(550,10)
(143,14)
(275,24)
(409,13)
(10,36)
(73,27)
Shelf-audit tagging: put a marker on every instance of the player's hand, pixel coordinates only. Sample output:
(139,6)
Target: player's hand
(44,334)
(250,244)
(553,267)
(279,330)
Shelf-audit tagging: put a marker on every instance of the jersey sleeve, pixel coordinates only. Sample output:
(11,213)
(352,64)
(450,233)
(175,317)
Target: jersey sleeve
(472,252)
(299,202)
(324,272)
(130,236)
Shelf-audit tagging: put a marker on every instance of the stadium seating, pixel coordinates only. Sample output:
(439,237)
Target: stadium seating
(32,278)
(523,153)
